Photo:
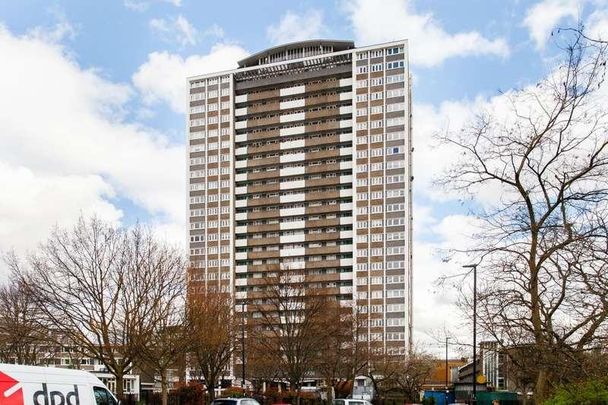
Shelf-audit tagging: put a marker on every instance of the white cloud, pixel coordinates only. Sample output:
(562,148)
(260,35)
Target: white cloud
(429,43)
(597,25)
(295,27)
(142,5)
(178,30)
(544,16)
(162,78)
(66,149)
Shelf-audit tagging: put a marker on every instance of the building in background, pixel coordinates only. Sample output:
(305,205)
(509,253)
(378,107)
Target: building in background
(300,161)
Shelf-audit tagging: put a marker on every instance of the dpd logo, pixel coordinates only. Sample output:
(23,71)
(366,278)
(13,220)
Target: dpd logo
(11,391)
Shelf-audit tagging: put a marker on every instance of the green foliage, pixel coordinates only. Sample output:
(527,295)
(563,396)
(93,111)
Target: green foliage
(591,392)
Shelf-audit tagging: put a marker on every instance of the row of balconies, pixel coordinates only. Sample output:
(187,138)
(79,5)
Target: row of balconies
(304,237)
(303,224)
(295,130)
(295,184)
(293,90)
(293,157)
(296,197)
(261,294)
(293,117)
(294,144)
(286,212)
(244,268)
(294,171)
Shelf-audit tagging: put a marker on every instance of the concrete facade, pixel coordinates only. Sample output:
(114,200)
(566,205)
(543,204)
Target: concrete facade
(300,160)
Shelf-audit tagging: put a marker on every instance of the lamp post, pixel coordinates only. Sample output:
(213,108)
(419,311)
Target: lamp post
(474,267)
(243,341)
(446,362)
(446,369)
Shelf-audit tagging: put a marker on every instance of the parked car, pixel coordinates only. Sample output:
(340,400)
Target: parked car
(235,401)
(350,402)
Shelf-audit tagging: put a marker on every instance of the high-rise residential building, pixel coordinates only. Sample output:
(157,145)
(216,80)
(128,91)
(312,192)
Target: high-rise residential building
(300,158)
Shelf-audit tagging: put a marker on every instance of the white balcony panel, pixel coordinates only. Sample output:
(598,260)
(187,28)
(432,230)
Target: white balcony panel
(240,99)
(293,238)
(346,82)
(346,193)
(240,138)
(346,96)
(346,221)
(241,177)
(346,123)
(288,212)
(292,198)
(346,137)
(293,184)
(240,282)
(292,90)
(346,234)
(346,151)
(347,109)
(292,252)
(241,216)
(241,268)
(292,171)
(293,157)
(240,229)
(346,290)
(300,143)
(240,124)
(345,207)
(240,190)
(240,111)
(240,256)
(292,131)
(343,262)
(292,225)
(240,242)
(284,105)
(346,276)
(293,117)
(346,248)
(241,151)
(240,203)
(346,165)
(239,164)
(240,295)
(346,179)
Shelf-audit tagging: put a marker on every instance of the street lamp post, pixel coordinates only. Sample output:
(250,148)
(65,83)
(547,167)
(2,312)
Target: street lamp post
(474,267)
(446,363)
(243,341)
(446,369)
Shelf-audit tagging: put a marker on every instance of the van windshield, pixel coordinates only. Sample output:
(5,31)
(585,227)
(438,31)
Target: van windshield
(103,396)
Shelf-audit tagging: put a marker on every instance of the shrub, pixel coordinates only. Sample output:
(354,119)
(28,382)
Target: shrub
(591,392)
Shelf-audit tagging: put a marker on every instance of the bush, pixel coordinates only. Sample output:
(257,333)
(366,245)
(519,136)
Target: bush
(592,392)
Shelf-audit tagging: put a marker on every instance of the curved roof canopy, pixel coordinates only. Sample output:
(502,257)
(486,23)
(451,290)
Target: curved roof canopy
(296,50)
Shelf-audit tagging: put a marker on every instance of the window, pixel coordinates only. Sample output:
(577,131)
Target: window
(103,396)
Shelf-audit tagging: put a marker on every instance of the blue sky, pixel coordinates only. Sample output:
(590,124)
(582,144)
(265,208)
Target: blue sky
(92,97)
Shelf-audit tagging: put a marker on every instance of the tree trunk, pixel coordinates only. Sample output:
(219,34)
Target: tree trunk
(120,387)
(540,389)
(329,390)
(211,389)
(163,386)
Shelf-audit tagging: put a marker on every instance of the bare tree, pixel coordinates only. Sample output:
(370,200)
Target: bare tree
(103,289)
(214,330)
(543,245)
(341,351)
(290,326)
(170,340)
(21,338)
(416,370)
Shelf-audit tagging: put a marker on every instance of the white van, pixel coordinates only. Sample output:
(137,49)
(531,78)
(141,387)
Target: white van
(29,385)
